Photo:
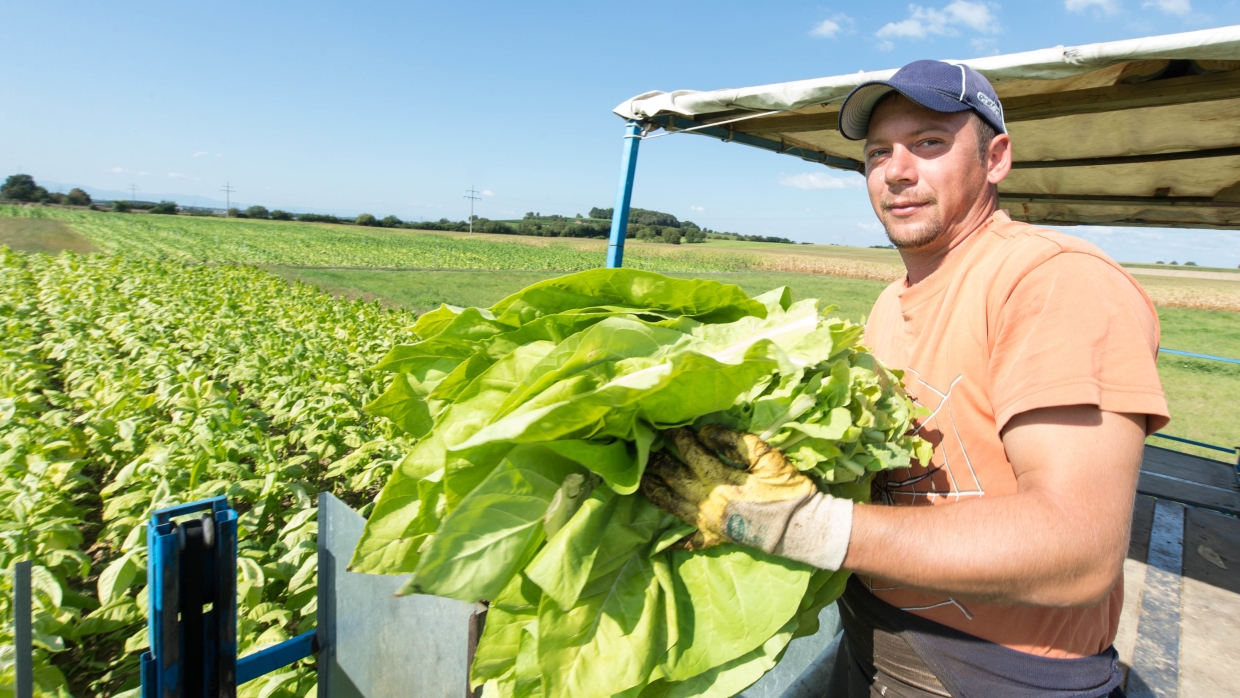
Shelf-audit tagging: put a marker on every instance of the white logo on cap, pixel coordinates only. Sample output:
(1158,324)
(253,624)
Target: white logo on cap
(990,103)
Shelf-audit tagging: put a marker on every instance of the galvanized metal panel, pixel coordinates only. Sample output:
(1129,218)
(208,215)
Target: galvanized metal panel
(806,656)
(374,644)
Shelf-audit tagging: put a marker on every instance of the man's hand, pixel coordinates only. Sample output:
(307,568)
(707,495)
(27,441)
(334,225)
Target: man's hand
(763,502)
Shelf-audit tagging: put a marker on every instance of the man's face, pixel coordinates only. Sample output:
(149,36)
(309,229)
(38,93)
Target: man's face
(922,170)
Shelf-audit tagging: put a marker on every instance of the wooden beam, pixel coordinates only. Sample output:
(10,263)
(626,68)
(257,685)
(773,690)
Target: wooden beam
(1154,93)
(1095,200)
(1128,159)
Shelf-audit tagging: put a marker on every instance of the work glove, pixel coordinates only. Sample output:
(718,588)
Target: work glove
(759,499)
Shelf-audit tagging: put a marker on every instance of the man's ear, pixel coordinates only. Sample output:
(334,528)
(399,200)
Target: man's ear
(999,158)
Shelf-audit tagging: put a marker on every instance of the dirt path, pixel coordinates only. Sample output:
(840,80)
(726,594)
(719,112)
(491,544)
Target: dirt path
(45,235)
(1185,274)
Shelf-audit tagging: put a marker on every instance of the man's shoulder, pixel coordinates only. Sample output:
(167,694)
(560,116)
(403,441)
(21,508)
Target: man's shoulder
(1031,257)
(1021,248)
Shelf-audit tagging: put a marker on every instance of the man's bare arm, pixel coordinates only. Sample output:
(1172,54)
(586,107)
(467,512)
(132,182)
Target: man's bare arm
(1060,541)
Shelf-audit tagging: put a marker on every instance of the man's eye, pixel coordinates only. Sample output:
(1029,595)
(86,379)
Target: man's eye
(876,154)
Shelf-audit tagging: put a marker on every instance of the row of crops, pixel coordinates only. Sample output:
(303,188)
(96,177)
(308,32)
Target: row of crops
(131,385)
(302,244)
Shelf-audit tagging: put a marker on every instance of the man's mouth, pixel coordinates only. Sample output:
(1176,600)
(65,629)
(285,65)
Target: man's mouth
(903,209)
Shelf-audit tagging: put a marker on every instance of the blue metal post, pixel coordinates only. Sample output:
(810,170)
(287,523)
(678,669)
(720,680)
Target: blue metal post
(624,193)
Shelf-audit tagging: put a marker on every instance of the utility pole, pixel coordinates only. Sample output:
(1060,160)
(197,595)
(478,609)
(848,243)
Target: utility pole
(133,193)
(228,192)
(472,195)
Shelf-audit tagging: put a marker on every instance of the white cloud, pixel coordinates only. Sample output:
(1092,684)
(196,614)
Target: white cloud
(924,22)
(985,46)
(817,180)
(178,175)
(488,192)
(825,29)
(144,174)
(872,227)
(1181,8)
(199,154)
(698,208)
(1106,7)
(119,169)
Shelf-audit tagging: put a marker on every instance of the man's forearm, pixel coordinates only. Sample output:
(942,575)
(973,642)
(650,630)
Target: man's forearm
(1008,550)
(1059,541)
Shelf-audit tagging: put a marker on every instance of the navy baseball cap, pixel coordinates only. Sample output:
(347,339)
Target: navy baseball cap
(935,85)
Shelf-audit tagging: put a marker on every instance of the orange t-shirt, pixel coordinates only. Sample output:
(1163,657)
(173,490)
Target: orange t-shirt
(1018,318)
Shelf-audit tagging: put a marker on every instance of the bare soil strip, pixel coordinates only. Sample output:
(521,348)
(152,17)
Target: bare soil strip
(45,235)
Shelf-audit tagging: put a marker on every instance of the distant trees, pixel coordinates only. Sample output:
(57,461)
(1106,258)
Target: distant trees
(321,218)
(259,212)
(233,212)
(22,187)
(645,224)
(278,215)
(77,197)
(391,222)
(366,219)
(167,208)
(121,207)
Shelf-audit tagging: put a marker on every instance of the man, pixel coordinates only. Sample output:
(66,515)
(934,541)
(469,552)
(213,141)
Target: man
(995,569)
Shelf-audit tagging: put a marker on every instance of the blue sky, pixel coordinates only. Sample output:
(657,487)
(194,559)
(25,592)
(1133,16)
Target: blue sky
(398,108)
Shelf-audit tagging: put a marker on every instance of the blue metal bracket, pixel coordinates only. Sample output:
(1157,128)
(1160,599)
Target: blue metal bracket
(624,194)
(192,563)
(192,611)
(265,661)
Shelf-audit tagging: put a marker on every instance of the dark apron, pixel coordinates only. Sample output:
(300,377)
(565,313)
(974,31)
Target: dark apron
(895,654)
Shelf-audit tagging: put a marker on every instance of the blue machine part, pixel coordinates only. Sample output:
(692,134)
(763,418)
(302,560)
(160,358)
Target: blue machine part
(624,194)
(192,566)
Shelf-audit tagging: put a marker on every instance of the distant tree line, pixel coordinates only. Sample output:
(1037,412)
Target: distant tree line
(22,187)
(645,224)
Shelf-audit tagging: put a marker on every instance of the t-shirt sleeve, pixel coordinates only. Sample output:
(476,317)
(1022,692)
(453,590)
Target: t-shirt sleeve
(1076,331)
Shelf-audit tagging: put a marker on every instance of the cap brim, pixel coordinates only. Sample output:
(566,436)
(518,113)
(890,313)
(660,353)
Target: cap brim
(859,106)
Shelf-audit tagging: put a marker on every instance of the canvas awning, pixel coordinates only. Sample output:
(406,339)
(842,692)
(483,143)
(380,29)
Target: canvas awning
(1137,132)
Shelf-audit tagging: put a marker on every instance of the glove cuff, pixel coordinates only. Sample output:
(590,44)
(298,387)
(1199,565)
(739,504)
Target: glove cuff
(818,532)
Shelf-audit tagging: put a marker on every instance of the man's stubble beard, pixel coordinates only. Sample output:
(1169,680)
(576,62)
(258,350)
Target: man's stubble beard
(919,236)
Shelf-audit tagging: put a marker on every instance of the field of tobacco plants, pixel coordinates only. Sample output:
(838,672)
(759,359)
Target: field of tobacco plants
(193,239)
(131,385)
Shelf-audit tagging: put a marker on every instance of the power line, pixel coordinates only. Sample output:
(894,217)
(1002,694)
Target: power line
(471,194)
(133,193)
(228,192)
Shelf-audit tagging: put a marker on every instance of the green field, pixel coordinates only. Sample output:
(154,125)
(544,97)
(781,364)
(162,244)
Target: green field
(143,378)
(129,385)
(419,269)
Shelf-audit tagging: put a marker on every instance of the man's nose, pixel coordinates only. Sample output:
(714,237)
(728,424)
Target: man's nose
(901,166)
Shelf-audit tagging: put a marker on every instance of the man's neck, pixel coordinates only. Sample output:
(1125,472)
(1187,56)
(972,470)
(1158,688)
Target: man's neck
(923,261)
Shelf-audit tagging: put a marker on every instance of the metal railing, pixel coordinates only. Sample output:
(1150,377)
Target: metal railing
(1234,450)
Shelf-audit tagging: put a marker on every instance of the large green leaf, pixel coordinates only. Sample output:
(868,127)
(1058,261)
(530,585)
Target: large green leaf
(729,678)
(708,301)
(730,600)
(612,638)
(495,530)
(563,566)
(514,608)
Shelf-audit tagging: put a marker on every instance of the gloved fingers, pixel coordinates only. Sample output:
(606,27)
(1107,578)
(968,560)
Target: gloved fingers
(767,463)
(662,470)
(700,540)
(739,447)
(704,464)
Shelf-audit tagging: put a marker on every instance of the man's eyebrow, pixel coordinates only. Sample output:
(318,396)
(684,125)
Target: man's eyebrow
(919,132)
